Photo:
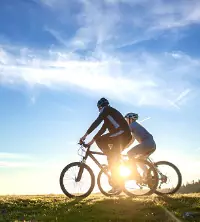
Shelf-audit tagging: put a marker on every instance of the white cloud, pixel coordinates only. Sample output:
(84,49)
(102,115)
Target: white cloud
(4,155)
(12,160)
(10,164)
(174,14)
(16,160)
(140,79)
(109,24)
(120,23)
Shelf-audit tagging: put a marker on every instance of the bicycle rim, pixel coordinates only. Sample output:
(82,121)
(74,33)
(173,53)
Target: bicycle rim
(70,186)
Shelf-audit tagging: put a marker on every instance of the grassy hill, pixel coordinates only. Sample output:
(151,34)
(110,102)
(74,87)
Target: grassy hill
(96,208)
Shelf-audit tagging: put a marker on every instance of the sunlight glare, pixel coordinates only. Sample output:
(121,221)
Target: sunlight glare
(124,171)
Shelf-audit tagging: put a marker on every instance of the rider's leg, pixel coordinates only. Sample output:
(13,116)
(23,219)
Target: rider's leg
(112,145)
(119,143)
(145,149)
(103,144)
(113,162)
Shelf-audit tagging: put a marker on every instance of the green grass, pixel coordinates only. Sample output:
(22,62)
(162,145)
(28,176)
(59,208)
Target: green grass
(95,208)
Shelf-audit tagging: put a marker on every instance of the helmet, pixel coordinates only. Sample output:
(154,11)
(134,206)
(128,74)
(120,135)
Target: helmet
(133,116)
(102,102)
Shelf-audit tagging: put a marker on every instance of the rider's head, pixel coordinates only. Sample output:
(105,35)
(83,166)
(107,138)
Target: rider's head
(102,103)
(131,117)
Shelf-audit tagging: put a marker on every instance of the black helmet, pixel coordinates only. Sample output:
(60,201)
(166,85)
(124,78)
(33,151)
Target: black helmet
(102,102)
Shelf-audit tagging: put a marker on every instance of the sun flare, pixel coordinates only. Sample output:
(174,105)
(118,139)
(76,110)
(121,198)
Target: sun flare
(124,171)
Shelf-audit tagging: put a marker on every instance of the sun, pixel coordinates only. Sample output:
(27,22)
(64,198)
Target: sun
(124,171)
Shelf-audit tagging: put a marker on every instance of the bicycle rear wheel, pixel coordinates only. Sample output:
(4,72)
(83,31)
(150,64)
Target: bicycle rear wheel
(72,187)
(169,176)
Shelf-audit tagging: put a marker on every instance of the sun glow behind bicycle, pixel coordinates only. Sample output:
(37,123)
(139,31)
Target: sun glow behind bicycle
(143,181)
(124,171)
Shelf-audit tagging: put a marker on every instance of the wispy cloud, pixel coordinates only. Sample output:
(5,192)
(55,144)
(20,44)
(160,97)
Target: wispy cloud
(57,35)
(174,14)
(141,79)
(4,155)
(11,164)
(92,61)
(145,119)
(181,99)
(10,160)
(15,160)
(120,23)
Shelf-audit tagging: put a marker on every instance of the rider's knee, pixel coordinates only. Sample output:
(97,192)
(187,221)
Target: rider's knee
(131,154)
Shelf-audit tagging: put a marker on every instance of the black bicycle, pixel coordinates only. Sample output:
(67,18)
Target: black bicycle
(77,179)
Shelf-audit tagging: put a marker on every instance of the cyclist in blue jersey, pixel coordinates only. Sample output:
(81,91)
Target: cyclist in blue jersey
(146,141)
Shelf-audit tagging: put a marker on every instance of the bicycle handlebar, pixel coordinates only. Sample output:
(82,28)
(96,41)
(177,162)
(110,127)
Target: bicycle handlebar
(82,143)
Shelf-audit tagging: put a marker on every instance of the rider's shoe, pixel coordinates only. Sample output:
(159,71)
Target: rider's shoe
(114,190)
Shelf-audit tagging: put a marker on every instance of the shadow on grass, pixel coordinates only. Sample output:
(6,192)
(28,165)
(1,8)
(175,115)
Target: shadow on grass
(179,204)
(117,209)
(182,201)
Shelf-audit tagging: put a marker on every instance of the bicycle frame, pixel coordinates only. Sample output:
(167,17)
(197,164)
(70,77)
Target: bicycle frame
(90,154)
(156,168)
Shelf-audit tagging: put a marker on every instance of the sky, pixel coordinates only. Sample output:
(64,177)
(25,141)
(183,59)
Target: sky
(57,58)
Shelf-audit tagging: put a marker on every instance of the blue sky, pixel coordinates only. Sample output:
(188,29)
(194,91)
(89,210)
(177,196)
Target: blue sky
(57,58)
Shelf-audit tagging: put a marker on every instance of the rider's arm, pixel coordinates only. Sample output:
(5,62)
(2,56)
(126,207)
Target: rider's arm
(100,132)
(95,123)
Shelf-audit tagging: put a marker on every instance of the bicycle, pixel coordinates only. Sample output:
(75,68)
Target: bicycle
(146,182)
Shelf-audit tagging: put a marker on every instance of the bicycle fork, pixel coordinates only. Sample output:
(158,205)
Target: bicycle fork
(81,168)
(80,172)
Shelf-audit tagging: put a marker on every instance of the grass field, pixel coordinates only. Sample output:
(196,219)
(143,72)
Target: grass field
(96,208)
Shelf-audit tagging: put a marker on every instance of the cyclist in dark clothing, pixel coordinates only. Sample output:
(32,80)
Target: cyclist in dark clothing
(116,140)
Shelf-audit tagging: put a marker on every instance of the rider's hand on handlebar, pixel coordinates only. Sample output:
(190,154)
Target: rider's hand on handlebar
(83,138)
(81,141)
(90,143)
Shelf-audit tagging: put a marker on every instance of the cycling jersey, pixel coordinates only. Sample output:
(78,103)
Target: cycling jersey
(139,132)
(113,121)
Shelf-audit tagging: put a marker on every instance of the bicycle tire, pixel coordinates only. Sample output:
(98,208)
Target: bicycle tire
(85,167)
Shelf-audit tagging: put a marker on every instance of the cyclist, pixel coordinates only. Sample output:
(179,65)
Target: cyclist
(115,141)
(146,141)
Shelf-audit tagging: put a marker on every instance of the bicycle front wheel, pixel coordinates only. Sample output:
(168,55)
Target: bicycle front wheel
(77,180)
